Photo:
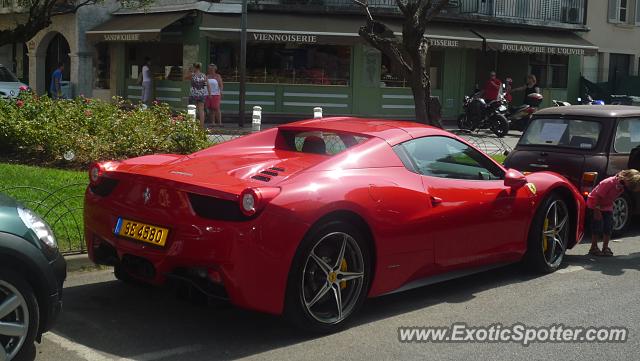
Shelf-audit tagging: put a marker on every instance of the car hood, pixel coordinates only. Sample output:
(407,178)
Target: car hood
(10,89)
(230,173)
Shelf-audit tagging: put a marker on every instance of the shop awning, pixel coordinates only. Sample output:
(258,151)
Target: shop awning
(290,28)
(134,27)
(535,41)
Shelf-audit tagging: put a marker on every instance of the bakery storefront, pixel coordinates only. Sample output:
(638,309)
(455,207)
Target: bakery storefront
(299,61)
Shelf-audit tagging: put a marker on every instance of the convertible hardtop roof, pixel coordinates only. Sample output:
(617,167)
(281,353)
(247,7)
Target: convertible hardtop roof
(598,111)
(392,131)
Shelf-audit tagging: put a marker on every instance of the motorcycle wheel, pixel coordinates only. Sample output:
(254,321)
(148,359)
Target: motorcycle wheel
(464,123)
(499,125)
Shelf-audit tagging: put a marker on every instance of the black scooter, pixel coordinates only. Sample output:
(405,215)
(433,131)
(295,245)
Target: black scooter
(520,117)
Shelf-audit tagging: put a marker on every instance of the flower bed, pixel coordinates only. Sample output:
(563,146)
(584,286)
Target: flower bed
(73,133)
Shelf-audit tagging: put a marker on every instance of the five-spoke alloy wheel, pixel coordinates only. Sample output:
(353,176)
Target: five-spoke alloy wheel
(549,235)
(330,277)
(19,315)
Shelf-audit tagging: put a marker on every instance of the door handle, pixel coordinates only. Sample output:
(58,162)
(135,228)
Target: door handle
(435,201)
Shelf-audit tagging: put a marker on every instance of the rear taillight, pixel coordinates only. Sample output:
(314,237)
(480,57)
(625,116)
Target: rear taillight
(253,200)
(587,183)
(95,174)
(531,110)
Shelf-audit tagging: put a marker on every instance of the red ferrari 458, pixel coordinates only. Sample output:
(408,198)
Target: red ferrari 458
(310,218)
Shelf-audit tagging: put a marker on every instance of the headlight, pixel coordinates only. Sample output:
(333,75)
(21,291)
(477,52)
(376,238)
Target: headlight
(39,227)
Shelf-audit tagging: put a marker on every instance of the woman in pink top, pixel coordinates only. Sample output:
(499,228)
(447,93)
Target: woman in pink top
(600,201)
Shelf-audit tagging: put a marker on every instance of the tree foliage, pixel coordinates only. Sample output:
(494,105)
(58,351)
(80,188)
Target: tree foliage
(409,54)
(38,15)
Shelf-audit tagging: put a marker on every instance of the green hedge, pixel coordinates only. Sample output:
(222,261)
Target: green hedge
(42,130)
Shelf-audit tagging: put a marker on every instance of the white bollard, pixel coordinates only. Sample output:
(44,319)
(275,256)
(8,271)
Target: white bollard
(191,111)
(317,112)
(256,119)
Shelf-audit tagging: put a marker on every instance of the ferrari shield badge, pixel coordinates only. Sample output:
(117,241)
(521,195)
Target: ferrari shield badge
(532,188)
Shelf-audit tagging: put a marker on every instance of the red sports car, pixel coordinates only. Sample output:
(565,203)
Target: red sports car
(310,218)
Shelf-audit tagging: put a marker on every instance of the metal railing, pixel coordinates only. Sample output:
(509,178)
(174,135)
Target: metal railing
(542,11)
(558,11)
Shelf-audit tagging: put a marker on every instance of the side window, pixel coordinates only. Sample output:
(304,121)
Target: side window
(447,158)
(627,135)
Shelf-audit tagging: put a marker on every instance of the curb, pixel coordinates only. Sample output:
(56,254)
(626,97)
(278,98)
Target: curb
(79,262)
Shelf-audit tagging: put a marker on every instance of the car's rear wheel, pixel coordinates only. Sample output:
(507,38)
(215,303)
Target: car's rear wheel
(621,215)
(19,315)
(329,278)
(549,235)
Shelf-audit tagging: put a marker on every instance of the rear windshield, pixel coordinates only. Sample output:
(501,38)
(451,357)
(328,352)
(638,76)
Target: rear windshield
(320,142)
(7,76)
(570,133)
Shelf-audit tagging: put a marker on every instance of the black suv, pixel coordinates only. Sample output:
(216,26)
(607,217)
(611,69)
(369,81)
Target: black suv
(31,275)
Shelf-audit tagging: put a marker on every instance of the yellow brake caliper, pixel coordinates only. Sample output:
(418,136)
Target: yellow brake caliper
(545,242)
(343,268)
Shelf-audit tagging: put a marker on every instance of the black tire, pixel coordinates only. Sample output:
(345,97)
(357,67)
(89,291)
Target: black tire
(499,125)
(24,289)
(464,123)
(296,310)
(622,215)
(539,256)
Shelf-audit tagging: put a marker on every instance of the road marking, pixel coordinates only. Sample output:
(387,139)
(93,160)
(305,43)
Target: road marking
(570,269)
(84,352)
(89,354)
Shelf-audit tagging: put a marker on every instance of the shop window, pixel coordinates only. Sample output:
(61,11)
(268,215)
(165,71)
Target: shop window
(102,66)
(285,63)
(391,77)
(166,60)
(552,71)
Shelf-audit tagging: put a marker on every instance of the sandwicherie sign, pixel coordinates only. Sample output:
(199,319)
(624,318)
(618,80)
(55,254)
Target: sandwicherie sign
(112,36)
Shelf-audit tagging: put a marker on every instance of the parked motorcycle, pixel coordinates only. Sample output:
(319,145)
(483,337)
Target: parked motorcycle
(478,114)
(520,117)
(589,101)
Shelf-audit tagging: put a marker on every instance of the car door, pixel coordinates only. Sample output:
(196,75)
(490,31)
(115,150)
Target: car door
(475,218)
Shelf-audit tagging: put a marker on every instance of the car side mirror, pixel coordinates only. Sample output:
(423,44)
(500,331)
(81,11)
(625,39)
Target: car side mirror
(514,179)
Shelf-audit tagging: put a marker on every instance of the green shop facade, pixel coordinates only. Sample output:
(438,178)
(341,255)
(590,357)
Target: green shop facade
(297,62)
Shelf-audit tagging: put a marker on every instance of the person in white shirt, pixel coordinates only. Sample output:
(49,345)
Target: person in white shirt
(214,86)
(146,81)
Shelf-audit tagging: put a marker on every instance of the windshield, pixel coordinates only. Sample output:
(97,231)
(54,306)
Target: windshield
(6,76)
(570,133)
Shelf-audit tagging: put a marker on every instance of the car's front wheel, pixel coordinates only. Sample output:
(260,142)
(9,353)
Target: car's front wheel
(329,278)
(549,235)
(19,315)
(621,215)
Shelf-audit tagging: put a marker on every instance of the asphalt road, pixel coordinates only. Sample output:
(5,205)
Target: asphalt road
(105,319)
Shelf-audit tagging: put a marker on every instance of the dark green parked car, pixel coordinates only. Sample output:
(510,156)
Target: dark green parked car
(31,275)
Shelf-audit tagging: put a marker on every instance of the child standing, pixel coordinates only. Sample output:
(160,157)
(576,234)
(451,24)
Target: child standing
(600,201)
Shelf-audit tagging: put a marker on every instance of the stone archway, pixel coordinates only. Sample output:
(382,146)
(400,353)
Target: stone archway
(57,52)
(45,50)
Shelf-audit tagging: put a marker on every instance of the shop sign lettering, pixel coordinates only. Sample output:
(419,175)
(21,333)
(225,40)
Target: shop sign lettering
(444,43)
(121,37)
(285,38)
(540,49)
